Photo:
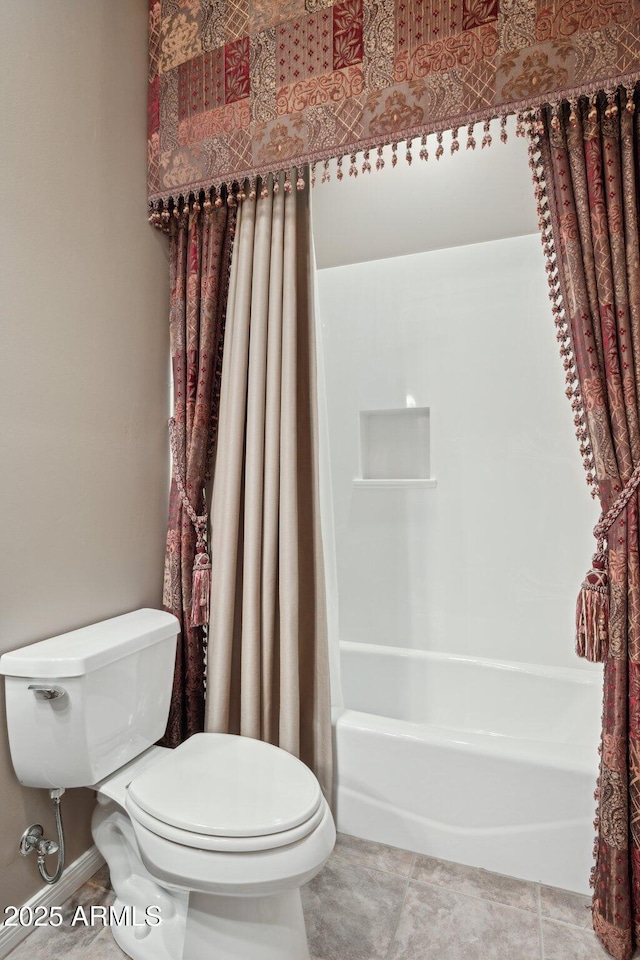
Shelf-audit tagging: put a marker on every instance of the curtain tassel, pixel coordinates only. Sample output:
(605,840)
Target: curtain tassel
(592,611)
(201,583)
(592,607)
(201,571)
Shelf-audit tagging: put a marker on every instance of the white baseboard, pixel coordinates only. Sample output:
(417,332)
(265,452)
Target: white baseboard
(53,894)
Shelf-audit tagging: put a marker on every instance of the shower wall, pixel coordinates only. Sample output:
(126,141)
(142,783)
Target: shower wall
(488,562)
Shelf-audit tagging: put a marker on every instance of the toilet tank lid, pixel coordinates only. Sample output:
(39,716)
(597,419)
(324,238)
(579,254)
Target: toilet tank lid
(89,648)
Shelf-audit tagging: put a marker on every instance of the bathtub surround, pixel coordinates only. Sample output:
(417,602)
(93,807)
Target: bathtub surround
(585,159)
(199,261)
(239,90)
(84,379)
(452,736)
(476,761)
(268,660)
(418,568)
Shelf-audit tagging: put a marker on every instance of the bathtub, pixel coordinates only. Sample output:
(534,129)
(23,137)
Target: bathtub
(482,762)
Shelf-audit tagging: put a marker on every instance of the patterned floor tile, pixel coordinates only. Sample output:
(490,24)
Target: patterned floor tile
(566,906)
(356,909)
(103,947)
(476,882)
(440,924)
(562,940)
(52,943)
(101,878)
(351,911)
(378,856)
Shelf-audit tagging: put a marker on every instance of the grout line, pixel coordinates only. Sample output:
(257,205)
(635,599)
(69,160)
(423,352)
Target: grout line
(565,923)
(475,896)
(368,866)
(540,940)
(399,916)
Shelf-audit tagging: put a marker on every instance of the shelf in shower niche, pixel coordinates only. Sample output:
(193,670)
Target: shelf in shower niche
(426,483)
(394,445)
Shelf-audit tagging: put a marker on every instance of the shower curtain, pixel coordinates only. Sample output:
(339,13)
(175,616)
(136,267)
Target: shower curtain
(267,674)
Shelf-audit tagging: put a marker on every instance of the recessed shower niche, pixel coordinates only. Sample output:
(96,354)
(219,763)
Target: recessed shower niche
(394,447)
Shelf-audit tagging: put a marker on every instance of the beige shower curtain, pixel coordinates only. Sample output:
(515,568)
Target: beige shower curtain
(267,670)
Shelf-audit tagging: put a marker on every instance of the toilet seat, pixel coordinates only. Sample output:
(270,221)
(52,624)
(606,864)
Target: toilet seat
(202,841)
(224,792)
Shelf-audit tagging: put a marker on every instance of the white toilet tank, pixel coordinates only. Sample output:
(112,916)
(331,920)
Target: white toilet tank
(82,704)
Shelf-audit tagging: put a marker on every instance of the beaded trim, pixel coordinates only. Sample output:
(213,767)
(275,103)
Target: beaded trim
(162,211)
(531,125)
(181,207)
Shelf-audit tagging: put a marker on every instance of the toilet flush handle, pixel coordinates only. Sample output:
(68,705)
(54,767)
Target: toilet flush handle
(44,692)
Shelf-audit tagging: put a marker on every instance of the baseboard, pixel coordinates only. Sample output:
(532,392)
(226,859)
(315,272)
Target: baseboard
(54,894)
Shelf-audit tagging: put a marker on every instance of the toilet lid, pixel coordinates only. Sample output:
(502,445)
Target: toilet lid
(222,785)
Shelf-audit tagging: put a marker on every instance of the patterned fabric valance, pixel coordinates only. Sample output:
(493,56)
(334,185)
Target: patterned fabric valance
(242,88)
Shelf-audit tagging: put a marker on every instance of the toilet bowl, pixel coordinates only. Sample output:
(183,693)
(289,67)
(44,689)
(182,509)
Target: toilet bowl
(208,844)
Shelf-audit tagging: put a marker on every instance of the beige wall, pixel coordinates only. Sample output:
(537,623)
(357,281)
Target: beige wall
(83,352)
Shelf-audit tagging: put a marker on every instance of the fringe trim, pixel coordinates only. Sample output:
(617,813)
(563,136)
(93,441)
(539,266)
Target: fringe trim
(201,588)
(592,614)
(531,125)
(234,189)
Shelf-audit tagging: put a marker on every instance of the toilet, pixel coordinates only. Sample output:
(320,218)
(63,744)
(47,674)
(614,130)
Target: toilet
(208,844)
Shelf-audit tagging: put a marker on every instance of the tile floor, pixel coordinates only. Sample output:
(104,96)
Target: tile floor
(373,902)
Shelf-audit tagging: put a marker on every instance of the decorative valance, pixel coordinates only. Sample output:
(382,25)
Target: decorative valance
(242,88)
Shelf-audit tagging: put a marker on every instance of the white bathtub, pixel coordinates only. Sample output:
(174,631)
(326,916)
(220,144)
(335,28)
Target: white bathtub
(481,762)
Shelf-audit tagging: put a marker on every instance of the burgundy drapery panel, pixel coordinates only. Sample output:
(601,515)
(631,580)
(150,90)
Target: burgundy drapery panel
(200,254)
(589,169)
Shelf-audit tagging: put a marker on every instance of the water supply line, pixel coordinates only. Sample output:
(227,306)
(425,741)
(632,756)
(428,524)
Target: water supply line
(33,839)
(56,796)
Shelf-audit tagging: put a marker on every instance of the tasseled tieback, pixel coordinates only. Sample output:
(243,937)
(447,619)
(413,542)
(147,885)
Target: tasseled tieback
(201,583)
(592,607)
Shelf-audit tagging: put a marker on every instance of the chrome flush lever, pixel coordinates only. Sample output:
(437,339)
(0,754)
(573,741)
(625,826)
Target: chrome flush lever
(43,692)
